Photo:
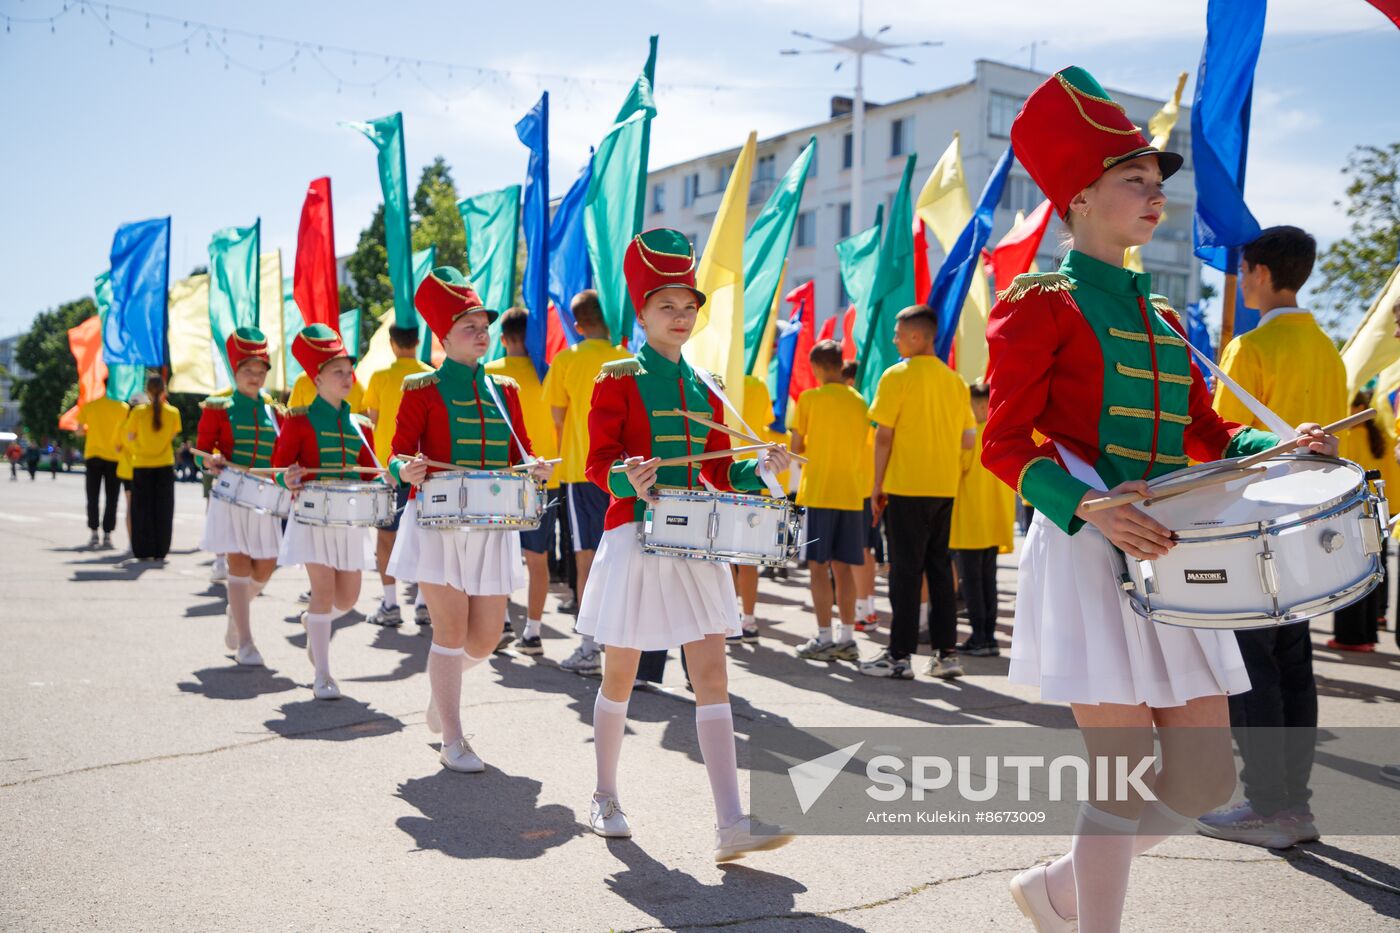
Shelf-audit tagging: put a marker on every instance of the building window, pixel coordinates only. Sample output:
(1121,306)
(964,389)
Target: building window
(658,198)
(842,300)
(1173,286)
(807,228)
(722,177)
(843,224)
(1001,110)
(1180,141)
(1020,194)
(847,151)
(767,168)
(690,188)
(899,137)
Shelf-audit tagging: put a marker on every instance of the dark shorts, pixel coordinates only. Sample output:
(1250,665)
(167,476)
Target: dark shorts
(836,534)
(587,506)
(541,540)
(400,500)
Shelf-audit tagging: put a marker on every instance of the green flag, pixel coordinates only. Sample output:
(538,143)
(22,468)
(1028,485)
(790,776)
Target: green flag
(292,324)
(892,290)
(423,262)
(123,379)
(616,200)
(766,249)
(858,257)
(492,222)
(233,288)
(350,331)
(387,135)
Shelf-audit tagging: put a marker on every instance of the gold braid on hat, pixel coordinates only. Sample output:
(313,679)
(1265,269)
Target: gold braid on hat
(642,252)
(1074,95)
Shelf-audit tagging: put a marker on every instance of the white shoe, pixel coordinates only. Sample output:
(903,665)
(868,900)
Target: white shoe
(326,689)
(231,635)
(948,668)
(1031,895)
(739,839)
(219,572)
(459,757)
(248,655)
(434,721)
(607,819)
(95,541)
(585,661)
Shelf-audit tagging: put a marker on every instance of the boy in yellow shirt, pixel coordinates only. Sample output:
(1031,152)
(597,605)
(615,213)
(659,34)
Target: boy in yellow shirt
(537,545)
(568,390)
(100,422)
(829,427)
(381,405)
(984,514)
(923,423)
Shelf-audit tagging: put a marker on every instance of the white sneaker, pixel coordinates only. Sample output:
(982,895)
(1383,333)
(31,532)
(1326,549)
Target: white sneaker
(326,689)
(421,616)
(95,541)
(1031,895)
(607,819)
(586,661)
(948,668)
(231,635)
(248,656)
(459,757)
(219,572)
(739,839)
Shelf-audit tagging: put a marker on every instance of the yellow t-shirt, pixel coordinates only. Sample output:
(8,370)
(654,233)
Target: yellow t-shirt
(569,385)
(124,462)
(984,513)
(929,407)
(149,447)
(304,393)
(834,426)
(1356,446)
(758,414)
(383,396)
(1290,365)
(539,422)
(102,418)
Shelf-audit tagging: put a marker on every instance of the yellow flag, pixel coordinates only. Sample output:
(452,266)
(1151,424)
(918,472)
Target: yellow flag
(378,355)
(1160,126)
(191,346)
(270,316)
(718,341)
(1374,347)
(945,207)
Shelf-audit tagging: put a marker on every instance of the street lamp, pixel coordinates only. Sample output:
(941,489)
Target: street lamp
(858,46)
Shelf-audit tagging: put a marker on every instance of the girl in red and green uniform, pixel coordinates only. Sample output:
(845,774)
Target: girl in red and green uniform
(1087,357)
(238,429)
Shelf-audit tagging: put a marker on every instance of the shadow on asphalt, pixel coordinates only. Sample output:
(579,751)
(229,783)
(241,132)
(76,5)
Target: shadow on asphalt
(412,646)
(332,720)
(235,682)
(1371,881)
(462,816)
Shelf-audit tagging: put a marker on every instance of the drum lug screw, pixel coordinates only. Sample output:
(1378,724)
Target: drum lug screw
(1332,541)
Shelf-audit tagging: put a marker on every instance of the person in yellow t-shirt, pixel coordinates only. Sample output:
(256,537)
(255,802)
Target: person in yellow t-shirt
(536,545)
(758,415)
(1357,627)
(924,421)
(984,518)
(568,390)
(867,619)
(100,422)
(828,427)
(381,405)
(150,430)
(304,393)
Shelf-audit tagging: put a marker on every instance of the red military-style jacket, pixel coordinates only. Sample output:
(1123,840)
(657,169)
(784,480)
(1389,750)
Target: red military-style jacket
(320,436)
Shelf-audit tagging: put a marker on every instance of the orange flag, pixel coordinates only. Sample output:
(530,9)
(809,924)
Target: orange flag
(85,341)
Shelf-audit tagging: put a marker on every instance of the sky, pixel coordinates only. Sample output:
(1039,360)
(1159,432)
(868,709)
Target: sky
(216,128)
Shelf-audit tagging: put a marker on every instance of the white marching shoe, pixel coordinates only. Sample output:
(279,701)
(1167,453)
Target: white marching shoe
(606,818)
(745,836)
(1032,896)
(459,757)
(248,656)
(326,689)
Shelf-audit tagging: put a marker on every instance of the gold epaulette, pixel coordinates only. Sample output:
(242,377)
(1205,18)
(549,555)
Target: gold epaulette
(505,382)
(1164,306)
(217,402)
(420,380)
(1028,282)
(298,411)
(619,368)
(719,380)
(361,420)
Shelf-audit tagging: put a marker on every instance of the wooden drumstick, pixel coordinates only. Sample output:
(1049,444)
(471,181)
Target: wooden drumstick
(696,458)
(1360,418)
(716,426)
(1167,490)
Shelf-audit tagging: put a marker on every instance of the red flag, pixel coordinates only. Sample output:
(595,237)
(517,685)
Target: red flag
(314,284)
(803,297)
(848,335)
(1016,251)
(828,331)
(554,339)
(85,341)
(1391,8)
(923,282)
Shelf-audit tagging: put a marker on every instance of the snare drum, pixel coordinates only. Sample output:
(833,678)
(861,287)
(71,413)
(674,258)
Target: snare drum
(355,505)
(731,527)
(259,493)
(1302,540)
(496,500)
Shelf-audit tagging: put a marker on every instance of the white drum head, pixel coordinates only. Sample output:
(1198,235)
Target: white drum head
(1291,489)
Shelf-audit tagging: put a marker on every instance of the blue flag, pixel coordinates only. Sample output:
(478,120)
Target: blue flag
(783,361)
(569,268)
(1197,332)
(533,131)
(134,332)
(954,278)
(1220,131)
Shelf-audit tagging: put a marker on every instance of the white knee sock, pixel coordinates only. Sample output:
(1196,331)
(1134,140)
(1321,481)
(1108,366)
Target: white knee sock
(257,587)
(391,595)
(714,727)
(445,682)
(1103,857)
(609,724)
(469,662)
(532,628)
(587,643)
(239,596)
(337,612)
(318,634)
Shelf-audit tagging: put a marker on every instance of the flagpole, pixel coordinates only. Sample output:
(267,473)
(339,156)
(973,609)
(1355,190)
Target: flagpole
(1227,314)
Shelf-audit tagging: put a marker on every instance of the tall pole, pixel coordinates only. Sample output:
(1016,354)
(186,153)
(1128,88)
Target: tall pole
(858,147)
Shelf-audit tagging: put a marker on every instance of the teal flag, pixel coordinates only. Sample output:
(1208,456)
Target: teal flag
(616,200)
(893,288)
(858,257)
(423,262)
(350,331)
(123,379)
(766,250)
(387,135)
(233,288)
(492,221)
(292,324)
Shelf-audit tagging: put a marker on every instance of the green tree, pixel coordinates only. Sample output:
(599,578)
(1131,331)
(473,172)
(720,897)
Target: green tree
(1356,267)
(44,354)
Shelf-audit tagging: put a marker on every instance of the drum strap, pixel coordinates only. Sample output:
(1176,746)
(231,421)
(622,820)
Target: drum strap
(769,478)
(368,446)
(505,413)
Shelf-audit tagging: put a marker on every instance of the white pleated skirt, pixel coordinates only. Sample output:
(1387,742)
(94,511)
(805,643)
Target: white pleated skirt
(338,546)
(479,563)
(233,529)
(1077,638)
(650,602)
